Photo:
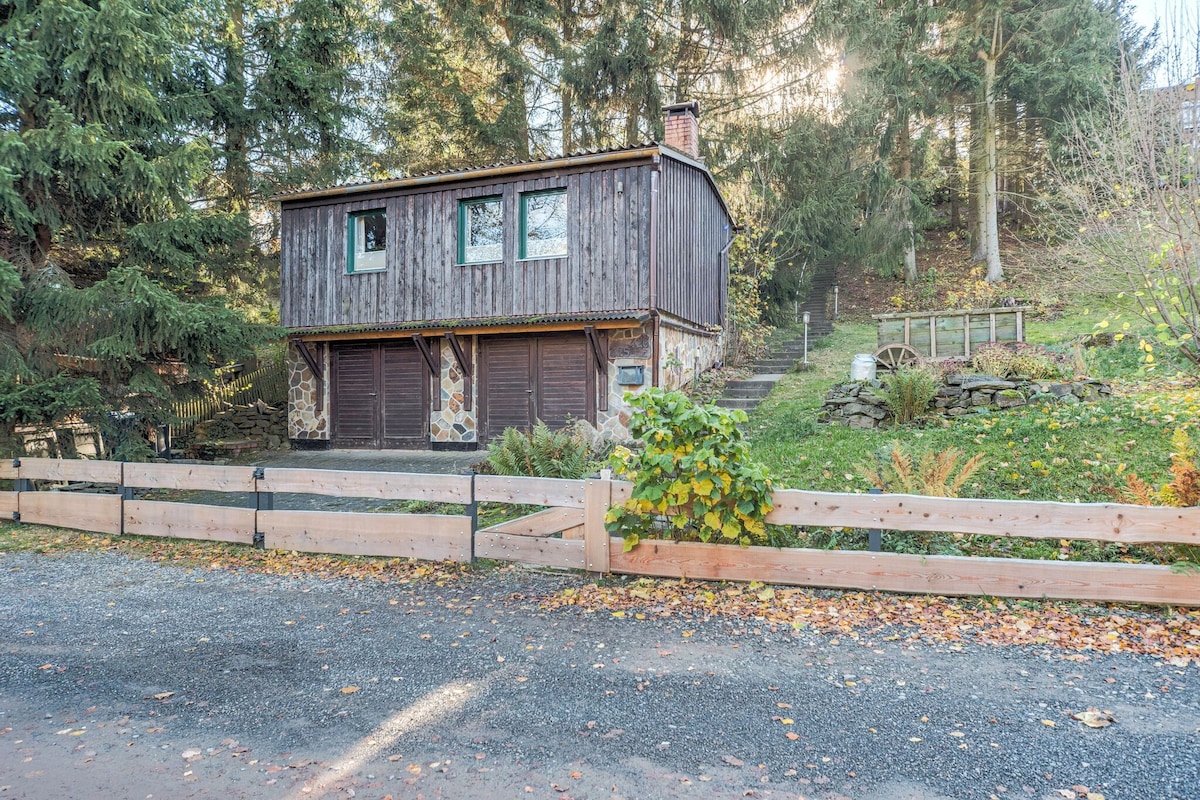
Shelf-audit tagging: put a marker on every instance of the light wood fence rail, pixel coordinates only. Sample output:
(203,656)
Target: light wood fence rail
(569,531)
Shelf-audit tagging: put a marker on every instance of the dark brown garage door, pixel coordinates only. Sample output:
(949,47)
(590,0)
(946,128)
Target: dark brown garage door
(530,378)
(380,396)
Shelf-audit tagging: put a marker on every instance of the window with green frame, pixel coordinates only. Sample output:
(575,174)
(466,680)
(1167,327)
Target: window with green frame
(366,241)
(544,224)
(480,230)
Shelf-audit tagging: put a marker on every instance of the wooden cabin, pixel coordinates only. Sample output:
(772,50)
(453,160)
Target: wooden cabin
(438,310)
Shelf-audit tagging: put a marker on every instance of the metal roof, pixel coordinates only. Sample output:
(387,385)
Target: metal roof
(480,323)
(580,158)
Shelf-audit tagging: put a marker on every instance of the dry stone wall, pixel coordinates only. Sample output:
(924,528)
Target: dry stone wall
(860,405)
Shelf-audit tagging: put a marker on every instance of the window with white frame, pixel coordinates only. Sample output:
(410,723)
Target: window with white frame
(366,250)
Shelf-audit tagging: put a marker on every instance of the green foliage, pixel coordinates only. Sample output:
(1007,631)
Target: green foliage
(693,477)
(1182,491)
(931,473)
(751,265)
(908,390)
(541,453)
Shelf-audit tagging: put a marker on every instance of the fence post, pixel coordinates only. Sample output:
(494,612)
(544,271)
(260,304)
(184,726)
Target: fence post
(473,513)
(20,485)
(263,501)
(597,497)
(126,493)
(875,535)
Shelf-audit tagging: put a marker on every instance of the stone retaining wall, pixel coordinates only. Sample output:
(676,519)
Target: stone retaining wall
(859,405)
(263,424)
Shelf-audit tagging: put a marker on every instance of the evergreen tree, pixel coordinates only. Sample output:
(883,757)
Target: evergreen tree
(108,293)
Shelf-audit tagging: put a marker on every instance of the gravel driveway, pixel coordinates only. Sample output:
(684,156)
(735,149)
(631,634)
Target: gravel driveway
(122,678)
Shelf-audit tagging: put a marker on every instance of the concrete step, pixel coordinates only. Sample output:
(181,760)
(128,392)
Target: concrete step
(749,388)
(744,403)
(774,365)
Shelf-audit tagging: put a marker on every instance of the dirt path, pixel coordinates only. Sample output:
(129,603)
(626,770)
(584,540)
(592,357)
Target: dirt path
(126,679)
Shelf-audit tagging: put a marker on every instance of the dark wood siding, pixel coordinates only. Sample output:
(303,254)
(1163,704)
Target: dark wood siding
(606,267)
(529,378)
(380,395)
(693,229)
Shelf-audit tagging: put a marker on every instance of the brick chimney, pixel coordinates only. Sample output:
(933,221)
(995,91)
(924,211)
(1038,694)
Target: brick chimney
(683,128)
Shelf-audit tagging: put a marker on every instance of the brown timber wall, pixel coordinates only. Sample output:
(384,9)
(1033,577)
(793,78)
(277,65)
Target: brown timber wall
(693,229)
(606,267)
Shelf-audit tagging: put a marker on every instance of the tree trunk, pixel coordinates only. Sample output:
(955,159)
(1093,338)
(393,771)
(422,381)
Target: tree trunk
(904,151)
(976,176)
(991,229)
(951,166)
(237,165)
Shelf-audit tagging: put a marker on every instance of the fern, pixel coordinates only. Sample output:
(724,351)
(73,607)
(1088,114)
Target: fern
(908,391)
(1182,491)
(935,474)
(541,453)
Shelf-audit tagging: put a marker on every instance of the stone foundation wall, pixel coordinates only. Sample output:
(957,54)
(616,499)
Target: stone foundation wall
(858,404)
(680,353)
(454,423)
(683,355)
(307,419)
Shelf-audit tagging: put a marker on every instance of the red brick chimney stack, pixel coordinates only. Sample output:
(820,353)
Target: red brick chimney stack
(683,128)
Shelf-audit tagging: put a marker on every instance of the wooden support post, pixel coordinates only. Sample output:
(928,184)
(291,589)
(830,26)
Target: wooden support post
(20,485)
(907,331)
(1020,325)
(464,366)
(967,335)
(992,326)
(597,496)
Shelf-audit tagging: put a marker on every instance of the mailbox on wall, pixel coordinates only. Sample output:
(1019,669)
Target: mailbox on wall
(631,376)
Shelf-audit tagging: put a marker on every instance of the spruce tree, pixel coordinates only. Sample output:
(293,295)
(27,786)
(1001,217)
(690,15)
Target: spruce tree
(110,298)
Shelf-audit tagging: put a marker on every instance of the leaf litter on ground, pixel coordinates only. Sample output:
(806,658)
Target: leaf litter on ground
(1076,628)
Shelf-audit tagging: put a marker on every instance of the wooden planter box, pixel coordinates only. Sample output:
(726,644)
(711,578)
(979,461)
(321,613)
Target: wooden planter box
(954,333)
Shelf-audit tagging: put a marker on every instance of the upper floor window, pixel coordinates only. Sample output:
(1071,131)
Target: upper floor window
(480,230)
(544,224)
(366,250)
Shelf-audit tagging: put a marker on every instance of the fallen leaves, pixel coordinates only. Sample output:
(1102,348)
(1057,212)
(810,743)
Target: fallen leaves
(349,689)
(1173,634)
(1095,718)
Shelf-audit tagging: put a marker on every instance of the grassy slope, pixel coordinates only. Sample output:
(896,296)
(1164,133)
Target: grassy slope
(1069,453)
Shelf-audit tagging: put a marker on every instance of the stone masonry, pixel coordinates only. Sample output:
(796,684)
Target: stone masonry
(308,415)
(859,405)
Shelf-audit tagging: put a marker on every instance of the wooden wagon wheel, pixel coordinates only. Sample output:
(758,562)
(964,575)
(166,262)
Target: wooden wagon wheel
(891,356)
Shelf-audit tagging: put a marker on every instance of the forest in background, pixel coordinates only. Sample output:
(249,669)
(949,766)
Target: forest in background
(141,142)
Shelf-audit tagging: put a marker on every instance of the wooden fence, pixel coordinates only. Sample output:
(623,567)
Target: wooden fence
(569,531)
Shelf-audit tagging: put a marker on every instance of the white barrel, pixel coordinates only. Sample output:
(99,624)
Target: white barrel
(862,368)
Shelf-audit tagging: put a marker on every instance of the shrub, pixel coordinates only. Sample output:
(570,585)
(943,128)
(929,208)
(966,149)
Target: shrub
(931,473)
(992,359)
(541,453)
(908,390)
(1181,491)
(1031,360)
(693,478)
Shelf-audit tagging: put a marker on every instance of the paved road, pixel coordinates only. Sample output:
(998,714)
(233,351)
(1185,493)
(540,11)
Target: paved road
(127,679)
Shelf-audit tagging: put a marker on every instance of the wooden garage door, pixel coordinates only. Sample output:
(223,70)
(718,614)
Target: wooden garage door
(380,396)
(530,378)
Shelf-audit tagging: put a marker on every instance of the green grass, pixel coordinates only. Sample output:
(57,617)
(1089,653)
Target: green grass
(1075,453)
